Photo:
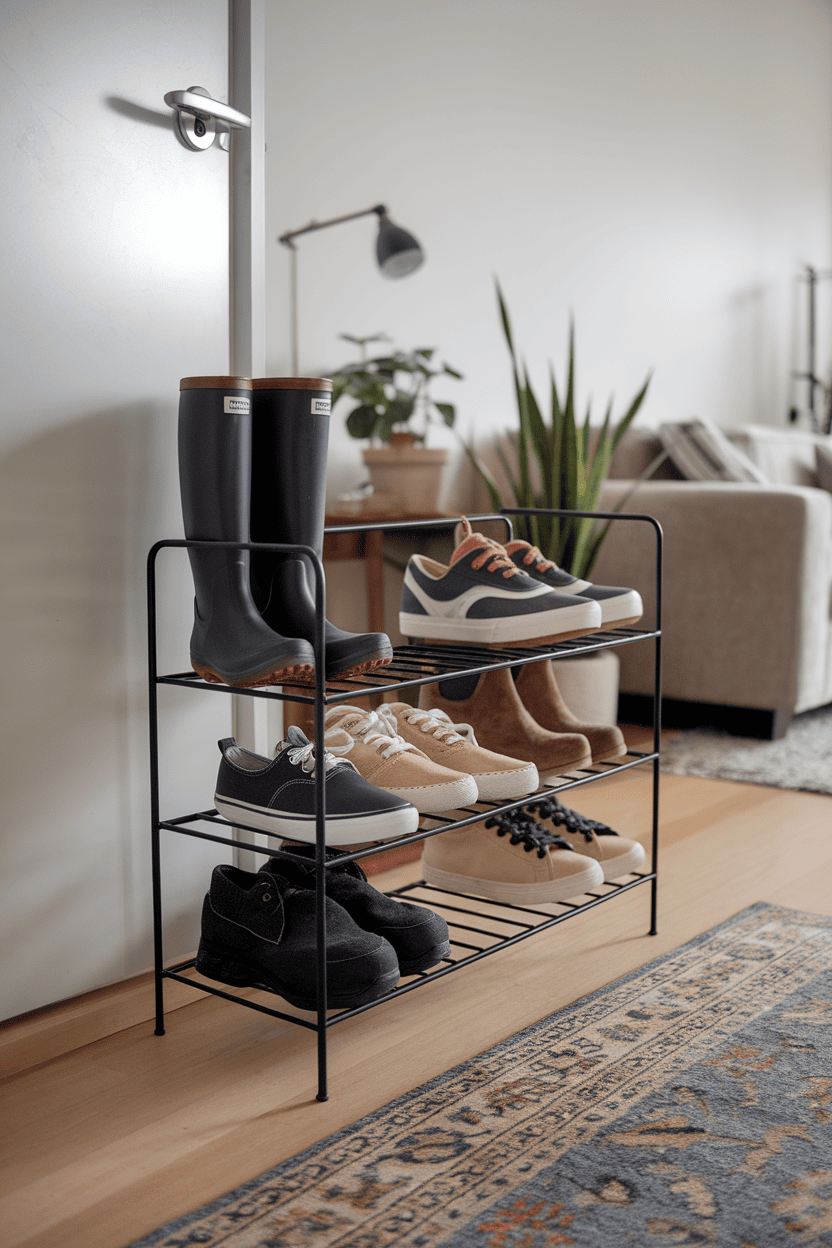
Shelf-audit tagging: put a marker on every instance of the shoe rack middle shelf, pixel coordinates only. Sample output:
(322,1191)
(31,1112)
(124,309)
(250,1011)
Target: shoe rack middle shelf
(479,927)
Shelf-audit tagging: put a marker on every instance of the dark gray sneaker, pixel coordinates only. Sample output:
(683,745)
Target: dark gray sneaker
(278,795)
(419,937)
(259,932)
(619,606)
(485,599)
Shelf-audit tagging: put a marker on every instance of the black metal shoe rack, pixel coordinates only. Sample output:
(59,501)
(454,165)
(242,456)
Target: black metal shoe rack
(478,927)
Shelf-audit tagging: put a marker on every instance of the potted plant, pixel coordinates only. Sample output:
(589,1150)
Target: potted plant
(560,463)
(391,391)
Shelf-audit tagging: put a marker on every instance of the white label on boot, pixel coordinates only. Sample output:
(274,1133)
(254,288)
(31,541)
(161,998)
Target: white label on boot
(321,407)
(231,404)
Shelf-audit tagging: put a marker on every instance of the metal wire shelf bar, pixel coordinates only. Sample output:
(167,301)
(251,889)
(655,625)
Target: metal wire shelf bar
(432,662)
(635,759)
(230,996)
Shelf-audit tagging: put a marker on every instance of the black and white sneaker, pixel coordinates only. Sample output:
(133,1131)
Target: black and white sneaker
(278,795)
(483,598)
(619,606)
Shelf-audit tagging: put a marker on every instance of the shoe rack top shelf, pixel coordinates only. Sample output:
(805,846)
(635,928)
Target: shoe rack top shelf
(419,664)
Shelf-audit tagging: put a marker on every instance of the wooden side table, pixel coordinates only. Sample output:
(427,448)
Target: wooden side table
(368,546)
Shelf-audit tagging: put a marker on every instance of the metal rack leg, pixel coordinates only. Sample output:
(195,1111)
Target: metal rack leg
(320,826)
(657,731)
(158,956)
(155,851)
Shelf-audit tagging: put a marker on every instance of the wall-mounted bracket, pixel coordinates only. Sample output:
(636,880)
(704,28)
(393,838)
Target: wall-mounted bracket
(197,115)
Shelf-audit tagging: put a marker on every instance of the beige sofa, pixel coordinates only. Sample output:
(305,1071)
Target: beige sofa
(747,583)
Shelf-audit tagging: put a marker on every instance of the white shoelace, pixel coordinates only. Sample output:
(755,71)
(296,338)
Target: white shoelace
(300,755)
(377,729)
(441,726)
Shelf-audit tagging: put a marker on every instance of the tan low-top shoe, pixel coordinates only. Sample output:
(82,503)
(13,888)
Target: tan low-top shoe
(498,777)
(617,855)
(508,861)
(390,762)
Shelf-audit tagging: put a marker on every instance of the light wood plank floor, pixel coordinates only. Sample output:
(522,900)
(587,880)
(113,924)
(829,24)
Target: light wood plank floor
(102,1145)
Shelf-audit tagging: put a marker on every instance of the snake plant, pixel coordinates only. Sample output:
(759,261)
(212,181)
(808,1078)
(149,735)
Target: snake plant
(571,461)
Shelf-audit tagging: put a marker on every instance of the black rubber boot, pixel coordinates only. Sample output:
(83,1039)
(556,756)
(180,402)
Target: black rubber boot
(230,643)
(290,433)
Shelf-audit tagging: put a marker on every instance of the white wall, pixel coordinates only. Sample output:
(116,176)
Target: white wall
(661,168)
(115,284)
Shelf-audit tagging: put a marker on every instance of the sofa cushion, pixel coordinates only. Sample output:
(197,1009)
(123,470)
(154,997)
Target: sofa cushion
(823,464)
(702,452)
(785,456)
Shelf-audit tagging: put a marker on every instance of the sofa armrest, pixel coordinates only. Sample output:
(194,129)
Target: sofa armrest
(747,572)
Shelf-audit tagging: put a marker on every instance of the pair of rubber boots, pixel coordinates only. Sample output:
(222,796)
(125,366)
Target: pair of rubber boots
(252,468)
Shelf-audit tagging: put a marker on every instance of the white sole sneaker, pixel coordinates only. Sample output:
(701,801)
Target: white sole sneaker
(435,798)
(503,785)
(540,626)
(623,864)
(539,893)
(338,829)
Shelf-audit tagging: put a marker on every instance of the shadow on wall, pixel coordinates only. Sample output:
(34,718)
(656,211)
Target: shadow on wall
(75,504)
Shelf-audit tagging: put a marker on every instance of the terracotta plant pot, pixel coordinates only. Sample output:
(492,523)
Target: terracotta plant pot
(412,474)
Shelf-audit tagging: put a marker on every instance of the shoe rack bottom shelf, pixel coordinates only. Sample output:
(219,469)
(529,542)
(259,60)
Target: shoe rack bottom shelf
(478,928)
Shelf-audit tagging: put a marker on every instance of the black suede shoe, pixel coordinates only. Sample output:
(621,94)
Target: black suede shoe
(259,932)
(278,795)
(419,937)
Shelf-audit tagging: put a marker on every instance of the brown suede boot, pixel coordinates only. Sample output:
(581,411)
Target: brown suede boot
(539,693)
(491,705)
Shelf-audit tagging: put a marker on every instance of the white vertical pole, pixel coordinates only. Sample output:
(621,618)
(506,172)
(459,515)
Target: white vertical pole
(256,723)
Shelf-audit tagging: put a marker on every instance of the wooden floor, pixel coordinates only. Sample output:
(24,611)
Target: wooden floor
(103,1144)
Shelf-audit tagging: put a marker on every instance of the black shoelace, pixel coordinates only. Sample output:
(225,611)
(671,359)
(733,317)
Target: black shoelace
(523,830)
(563,817)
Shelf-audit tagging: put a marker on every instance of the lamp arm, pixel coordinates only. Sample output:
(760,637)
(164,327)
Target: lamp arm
(286,239)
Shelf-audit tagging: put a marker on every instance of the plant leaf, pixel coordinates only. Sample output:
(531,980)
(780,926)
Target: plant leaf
(362,421)
(448,412)
(400,409)
(629,416)
(490,484)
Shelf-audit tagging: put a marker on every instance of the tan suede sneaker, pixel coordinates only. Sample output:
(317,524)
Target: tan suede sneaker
(498,777)
(508,860)
(390,762)
(616,855)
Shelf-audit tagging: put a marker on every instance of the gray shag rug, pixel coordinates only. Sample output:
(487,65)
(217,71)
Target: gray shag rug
(800,760)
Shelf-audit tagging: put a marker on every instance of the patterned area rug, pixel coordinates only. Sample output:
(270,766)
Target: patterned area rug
(688,1103)
(800,760)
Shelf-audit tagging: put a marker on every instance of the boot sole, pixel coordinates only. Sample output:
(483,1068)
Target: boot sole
(383,826)
(518,894)
(551,776)
(618,752)
(428,959)
(215,964)
(357,669)
(295,675)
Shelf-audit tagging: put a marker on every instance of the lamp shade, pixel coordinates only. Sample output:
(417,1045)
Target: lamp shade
(398,252)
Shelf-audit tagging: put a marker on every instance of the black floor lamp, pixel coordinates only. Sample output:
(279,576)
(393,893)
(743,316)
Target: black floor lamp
(398,253)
